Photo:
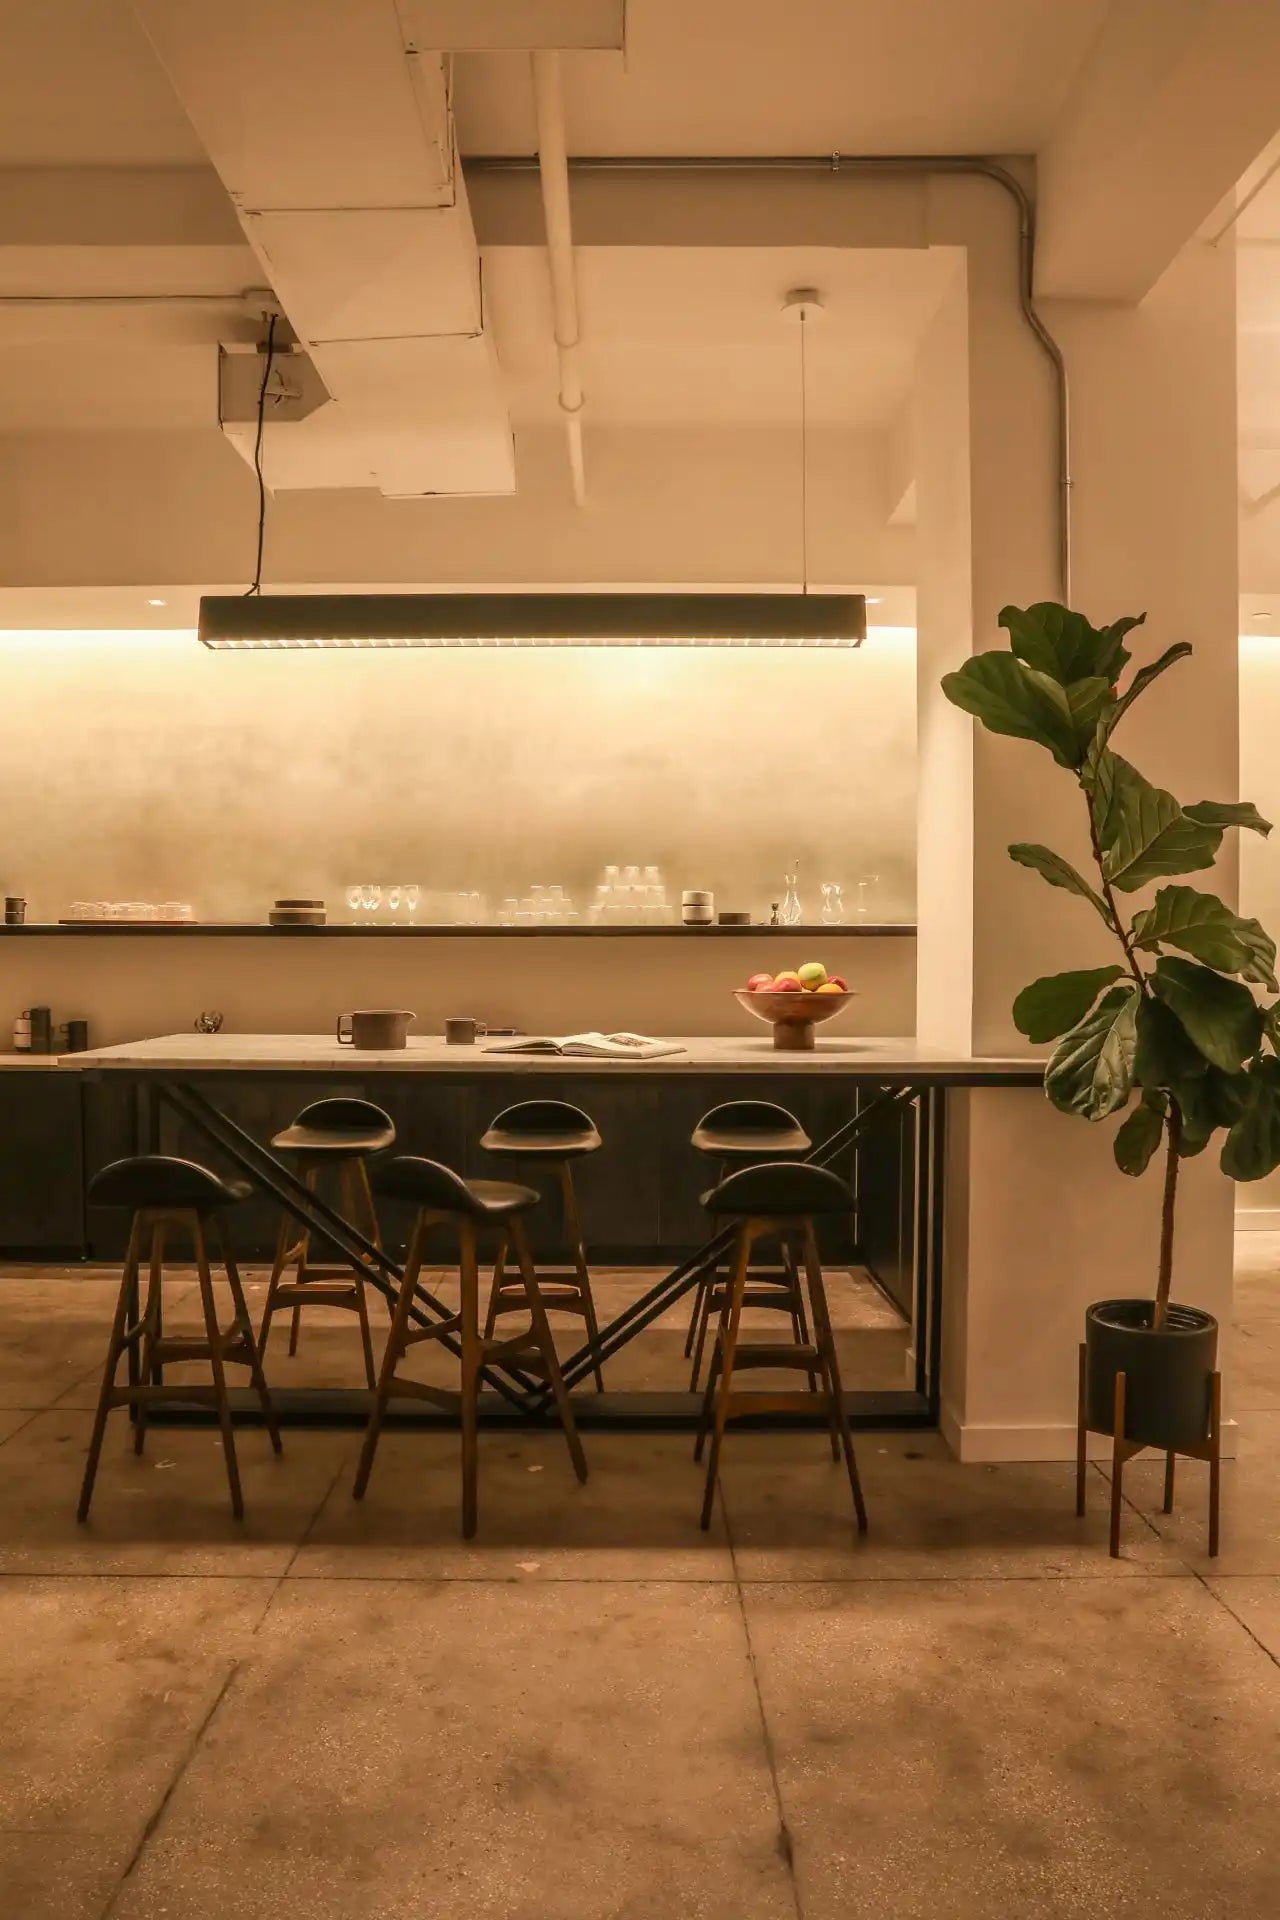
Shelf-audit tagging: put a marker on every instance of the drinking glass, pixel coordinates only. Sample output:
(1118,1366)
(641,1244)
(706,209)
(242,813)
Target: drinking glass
(866,893)
(393,900)
(370,899)
(353,903)
(412,895)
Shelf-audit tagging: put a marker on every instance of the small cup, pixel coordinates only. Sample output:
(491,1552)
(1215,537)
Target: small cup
(75,1036)
(461,1032)
(15,910)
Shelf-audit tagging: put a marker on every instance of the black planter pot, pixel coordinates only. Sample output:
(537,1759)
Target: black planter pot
(1167,1374)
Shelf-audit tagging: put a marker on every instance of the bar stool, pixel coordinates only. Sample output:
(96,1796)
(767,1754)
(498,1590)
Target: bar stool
(554,1134)
(748,1133)
(165,1195)
(781,1199)
(468,1207)
(334,1136)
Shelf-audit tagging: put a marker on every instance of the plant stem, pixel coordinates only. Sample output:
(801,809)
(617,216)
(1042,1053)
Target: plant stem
(1165,1278)
(1110,900)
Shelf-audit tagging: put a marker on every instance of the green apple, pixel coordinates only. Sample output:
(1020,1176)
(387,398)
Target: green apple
(811,975)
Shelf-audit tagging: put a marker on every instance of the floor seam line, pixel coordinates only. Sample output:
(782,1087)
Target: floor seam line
(301,1542)
(1233,1615)
(786,1840)
(179,1775)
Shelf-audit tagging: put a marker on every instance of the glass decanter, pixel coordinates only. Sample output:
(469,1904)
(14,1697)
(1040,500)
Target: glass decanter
(791,913)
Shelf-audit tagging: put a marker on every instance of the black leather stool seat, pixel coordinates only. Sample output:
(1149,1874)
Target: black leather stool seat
(751,1130)
(427,1184)
(341,1126)
(551,1128)
(161,1180)
(778,1188)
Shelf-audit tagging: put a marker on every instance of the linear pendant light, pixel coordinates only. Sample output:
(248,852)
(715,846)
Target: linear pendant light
(302,621)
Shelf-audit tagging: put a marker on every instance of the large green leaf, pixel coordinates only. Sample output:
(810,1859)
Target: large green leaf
(1164,1057)
(1058,872)
(1251,1149)
(1228,813)
(1220,1017)
(1143,832)
(1138,1135)
(1205,927)
(1060,642)
(1216,1099)
(1091,1069)
(1141,681)
(1009,698)
(1049,1006)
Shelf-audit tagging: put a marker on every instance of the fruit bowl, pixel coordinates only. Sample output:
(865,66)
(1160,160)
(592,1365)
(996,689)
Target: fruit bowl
(794,1015)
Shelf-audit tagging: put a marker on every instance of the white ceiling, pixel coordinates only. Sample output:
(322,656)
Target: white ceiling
(79,84)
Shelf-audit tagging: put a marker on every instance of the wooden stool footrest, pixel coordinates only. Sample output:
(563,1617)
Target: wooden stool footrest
(769,1353)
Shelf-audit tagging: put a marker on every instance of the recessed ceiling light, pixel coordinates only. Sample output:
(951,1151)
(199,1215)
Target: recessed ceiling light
(157,603)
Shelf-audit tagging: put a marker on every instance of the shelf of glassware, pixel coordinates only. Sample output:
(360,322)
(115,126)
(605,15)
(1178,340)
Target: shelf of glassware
(116,929)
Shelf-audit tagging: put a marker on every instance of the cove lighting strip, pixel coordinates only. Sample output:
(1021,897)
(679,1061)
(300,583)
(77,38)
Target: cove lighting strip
(306,622)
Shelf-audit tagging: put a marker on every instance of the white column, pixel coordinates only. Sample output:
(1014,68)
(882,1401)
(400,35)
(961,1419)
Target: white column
(1039,1220)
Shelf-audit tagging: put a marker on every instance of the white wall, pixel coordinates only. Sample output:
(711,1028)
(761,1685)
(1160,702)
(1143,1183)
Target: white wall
(164,771)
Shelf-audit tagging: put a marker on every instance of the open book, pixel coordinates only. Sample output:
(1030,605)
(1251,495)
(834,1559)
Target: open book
(593,1046)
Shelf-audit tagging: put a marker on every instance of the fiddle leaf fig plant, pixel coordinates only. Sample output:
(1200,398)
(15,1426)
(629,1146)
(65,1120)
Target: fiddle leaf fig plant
(1175,1033)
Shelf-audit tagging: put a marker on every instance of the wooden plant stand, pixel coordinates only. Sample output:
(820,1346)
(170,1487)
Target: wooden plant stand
(1122,1450)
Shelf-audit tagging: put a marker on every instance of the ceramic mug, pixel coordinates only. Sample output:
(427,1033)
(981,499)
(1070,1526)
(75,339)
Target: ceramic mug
(375,1030)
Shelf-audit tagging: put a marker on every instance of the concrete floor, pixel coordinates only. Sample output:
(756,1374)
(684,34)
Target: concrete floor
(594,1711)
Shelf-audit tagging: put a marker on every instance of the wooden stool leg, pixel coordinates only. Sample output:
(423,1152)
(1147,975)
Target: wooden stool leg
(215,1363)
(312,1181)
(245,1324)
(726,1345)
(375,1226)
(469,1397)
(150,1329)
(1117,1464)
(542,1335)
(394,1350)
(353,1202)
(1082,1434)
(1215,1462)
(702,1311)
(800,1326)
(695,1315)
(831,1367)
(499,1276)
(284,1238)
(115,1345)
(577,1246)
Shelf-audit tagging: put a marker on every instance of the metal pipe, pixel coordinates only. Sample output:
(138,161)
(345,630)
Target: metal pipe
(553,171)
(914,166)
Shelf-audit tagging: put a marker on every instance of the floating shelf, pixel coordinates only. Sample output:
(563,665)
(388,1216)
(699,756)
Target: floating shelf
(339,930)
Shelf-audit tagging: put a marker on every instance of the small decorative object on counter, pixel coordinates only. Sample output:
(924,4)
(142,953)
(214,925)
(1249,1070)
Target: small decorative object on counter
(41,1029)
(22,1033)
(697,909)
(774,920)
(832,903)
(792,912)
(460,1031)
(297,913)
(733,918)
(794,1002)
(208,1023)
(375,1029)
(15,910)
(75,1036)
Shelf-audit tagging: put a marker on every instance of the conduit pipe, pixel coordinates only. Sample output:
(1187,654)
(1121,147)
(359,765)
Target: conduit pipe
(553,172)
(916,166)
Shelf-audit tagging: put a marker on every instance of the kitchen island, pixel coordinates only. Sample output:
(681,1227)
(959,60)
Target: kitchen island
(874,1107)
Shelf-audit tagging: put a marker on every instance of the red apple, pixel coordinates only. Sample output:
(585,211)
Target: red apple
(836,981)
(788,983)
(759,983)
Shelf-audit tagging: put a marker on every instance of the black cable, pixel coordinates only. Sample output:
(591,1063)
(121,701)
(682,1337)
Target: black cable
(257,457)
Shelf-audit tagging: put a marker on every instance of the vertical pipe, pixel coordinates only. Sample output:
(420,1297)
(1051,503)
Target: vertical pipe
(553,172)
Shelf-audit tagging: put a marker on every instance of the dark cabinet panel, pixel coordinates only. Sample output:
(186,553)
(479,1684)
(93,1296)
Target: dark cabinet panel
(886,1203)
(41,1164)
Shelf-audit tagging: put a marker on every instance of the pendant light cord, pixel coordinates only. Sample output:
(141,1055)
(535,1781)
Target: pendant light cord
(804,462)
(256,588)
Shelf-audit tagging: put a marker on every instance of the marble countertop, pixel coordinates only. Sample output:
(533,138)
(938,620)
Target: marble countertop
(878,1058)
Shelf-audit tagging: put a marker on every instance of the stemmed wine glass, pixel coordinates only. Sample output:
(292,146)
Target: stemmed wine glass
(353,902)
(412,895)
(371,899)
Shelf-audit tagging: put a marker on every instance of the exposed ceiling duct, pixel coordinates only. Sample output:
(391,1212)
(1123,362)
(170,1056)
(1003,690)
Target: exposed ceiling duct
(333,135)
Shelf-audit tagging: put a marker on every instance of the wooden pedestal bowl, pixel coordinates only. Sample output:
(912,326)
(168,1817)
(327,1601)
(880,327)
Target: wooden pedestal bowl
(794,1015)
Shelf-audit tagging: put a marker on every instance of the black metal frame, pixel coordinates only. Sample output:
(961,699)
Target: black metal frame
(516,1398)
